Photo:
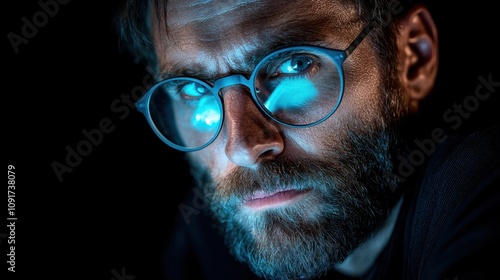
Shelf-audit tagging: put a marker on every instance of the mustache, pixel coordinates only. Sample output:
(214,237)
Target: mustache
(350,164)
(277,175)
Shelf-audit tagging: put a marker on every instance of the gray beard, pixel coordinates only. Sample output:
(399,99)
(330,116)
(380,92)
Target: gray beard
(351,195)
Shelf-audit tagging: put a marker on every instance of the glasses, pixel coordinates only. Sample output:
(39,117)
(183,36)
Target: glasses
(298,86)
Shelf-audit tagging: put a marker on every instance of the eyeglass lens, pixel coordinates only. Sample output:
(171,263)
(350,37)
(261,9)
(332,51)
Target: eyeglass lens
(297,87)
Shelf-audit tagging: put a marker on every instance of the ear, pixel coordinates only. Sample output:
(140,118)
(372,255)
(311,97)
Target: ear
(418,53)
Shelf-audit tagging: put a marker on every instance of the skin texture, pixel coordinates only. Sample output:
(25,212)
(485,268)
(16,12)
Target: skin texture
(344,166)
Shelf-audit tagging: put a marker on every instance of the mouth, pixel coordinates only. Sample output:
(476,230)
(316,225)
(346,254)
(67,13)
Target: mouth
(261,200)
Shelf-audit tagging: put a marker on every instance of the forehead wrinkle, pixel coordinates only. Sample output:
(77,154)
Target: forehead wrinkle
(208,66)
(201,11)
(205,16)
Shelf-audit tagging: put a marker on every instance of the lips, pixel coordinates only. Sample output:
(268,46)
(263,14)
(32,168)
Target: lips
(261,200)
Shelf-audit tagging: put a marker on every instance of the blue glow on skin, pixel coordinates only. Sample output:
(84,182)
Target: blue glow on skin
(207,114)
(291,93)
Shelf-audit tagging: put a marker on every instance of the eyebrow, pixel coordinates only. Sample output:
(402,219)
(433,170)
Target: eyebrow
(294,33)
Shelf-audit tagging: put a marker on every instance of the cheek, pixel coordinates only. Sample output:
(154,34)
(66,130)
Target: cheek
(307,141)
(212,158)
(361,101)
(360,108)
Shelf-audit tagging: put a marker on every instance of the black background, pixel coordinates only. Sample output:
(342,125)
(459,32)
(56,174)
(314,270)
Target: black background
(114,210)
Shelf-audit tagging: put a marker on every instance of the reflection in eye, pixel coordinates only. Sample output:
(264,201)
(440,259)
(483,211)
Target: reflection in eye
(207,115)
(291,93)
(296,65)
(193,90)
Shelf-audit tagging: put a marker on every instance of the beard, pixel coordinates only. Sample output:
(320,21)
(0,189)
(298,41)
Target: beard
(349,196)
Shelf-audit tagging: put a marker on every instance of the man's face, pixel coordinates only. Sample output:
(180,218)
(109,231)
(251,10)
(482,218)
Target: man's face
(290,201)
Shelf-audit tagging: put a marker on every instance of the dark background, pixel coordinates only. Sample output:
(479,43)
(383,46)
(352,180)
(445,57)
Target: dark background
(114,209)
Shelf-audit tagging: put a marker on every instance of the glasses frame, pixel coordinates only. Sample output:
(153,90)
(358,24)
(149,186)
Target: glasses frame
(338,56)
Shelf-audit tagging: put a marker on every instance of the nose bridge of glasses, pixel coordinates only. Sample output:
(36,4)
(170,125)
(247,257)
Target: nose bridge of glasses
(231,80)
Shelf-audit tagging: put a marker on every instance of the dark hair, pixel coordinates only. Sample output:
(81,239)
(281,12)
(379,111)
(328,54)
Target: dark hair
(132,26)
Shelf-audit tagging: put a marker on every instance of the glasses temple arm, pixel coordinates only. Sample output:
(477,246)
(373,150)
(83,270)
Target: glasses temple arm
(360,38)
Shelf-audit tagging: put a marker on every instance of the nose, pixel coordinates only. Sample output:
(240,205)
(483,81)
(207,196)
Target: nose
(251,137)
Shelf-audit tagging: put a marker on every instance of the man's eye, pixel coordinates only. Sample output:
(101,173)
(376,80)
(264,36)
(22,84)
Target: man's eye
(193,91)
(296,65)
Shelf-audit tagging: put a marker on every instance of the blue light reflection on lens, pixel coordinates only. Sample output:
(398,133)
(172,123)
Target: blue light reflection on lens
(194,90)
(291,93)
(207,115)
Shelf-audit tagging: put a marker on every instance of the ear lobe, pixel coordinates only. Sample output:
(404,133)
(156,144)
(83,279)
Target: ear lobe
(418,56)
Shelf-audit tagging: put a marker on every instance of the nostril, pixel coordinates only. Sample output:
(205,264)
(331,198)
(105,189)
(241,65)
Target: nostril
(269,154)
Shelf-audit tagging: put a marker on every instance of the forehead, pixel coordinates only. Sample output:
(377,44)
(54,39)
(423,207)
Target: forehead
(182,12)
(230,33)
